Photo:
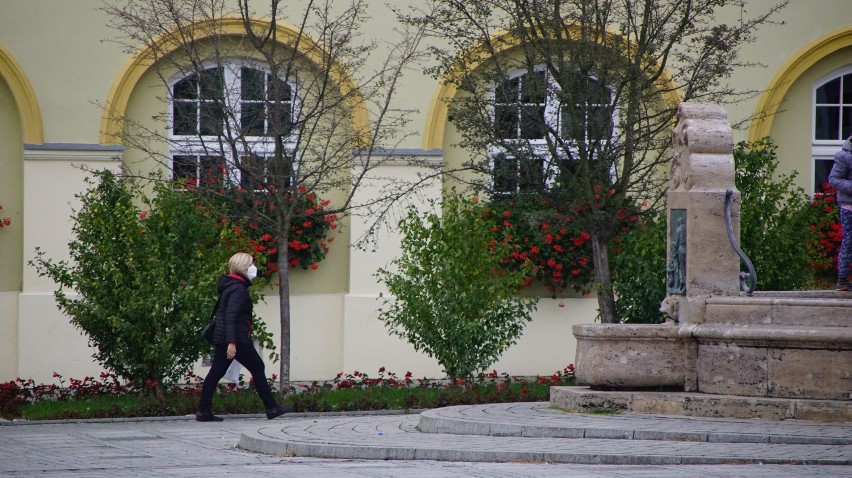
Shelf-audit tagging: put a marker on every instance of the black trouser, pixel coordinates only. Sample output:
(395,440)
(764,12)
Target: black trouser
(247,357)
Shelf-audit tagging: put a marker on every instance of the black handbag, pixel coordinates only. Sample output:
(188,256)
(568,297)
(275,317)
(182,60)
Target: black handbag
(209,329)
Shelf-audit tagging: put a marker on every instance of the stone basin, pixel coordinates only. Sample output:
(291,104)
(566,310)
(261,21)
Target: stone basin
(630,357)
(782,345)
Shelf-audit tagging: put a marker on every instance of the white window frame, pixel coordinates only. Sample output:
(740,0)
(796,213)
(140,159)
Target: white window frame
(552,117)
(202,146)
(824,149)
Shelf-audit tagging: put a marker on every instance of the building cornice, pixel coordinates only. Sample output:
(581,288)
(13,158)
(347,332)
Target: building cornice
(72,152)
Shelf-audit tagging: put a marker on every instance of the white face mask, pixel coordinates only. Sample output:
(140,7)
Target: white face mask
(251,273)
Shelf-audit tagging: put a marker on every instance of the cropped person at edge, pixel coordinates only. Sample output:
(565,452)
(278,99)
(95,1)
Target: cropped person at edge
(232,340)
(840,179)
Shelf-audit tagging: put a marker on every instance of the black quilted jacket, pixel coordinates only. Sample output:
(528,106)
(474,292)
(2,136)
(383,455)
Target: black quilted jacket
(233,317)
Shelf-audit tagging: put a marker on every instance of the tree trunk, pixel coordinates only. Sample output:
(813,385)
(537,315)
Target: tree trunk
(603,278)
(284,305)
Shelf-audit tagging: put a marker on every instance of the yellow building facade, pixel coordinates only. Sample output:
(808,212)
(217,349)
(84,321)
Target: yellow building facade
(60,76)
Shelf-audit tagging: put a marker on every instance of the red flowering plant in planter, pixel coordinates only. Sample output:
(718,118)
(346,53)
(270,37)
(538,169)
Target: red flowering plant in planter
(826,222)
(545,234)
(309,230)
(4,221)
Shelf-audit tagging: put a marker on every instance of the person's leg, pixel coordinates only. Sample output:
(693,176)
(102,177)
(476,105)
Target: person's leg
(844,255)
(248,357)
(217,371)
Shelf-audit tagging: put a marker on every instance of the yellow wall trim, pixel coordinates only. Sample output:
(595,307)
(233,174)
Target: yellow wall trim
(115,106)
(795,67)
(25,97)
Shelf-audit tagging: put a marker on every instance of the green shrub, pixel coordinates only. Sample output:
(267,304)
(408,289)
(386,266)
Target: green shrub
(775,222)
(141,282)
(639,270)
(451,297)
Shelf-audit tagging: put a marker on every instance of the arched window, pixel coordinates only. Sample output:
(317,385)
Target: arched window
(528,106)
(832,103)
(224,107)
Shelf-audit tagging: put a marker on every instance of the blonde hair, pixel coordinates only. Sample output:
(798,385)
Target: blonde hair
(240,262)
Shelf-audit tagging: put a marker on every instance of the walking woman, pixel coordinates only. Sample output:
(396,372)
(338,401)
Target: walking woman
(232,340)
(840,179)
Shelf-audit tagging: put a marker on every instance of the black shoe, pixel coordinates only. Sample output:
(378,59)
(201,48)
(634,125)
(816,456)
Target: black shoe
(842,285)
(207,417)
(278,411)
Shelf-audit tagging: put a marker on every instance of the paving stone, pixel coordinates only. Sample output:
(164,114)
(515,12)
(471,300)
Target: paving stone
(396,447)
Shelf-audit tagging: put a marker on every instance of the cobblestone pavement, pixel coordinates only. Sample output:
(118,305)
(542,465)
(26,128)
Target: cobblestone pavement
(185,448)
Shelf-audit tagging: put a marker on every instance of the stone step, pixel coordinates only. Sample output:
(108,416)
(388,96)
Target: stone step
(688,405)
(540,420)
(804,308)
(398,437)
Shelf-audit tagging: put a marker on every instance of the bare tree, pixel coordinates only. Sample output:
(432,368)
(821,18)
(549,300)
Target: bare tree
(575,99)
(272,109)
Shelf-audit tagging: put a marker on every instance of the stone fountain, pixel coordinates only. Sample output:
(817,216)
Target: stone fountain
(724,349)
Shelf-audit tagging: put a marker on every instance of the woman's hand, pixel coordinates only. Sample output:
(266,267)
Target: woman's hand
(232,350)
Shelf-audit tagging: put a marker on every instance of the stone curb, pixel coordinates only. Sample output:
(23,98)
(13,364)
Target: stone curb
(396,438)
(243,416)
(452,421)
(351,452)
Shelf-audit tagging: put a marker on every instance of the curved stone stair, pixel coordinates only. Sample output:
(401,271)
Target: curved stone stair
(533,432)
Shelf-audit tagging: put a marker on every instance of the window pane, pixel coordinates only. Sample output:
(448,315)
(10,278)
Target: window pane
(186,88)
(285,120)
(827,122)
(531,175)
(600,124)
(829,93)
(846,123)
(184,117)
(568,167)
(184,168)
(251,119)
(253,173)
(506,122)
(211,171)
(565,129)
(505,174)
(283,168)
(507,92)
(847,89)
(534,88)
(213,84)
(596,93)
(532,122)
(573,122)
(251,86)
(212,119)
(821,170)
(278,90)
